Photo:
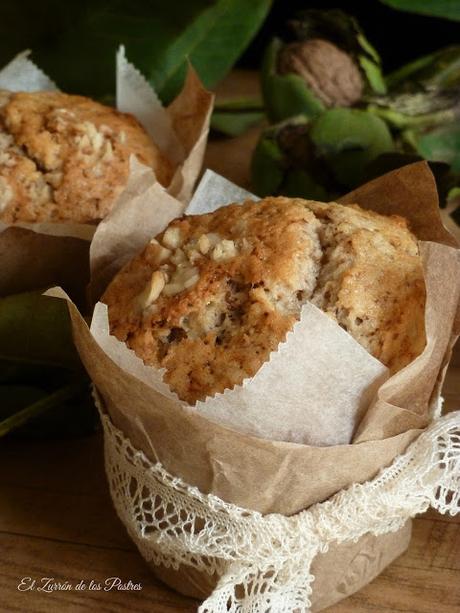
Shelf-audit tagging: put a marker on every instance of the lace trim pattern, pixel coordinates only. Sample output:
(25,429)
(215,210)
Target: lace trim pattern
(264,561)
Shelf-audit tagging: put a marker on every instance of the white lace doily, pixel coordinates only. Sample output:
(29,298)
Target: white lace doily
(264,561)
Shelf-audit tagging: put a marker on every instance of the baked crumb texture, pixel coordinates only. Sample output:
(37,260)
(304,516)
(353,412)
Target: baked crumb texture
(66,158)
(213,295)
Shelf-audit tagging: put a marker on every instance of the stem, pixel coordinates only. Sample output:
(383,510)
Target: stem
(39,407)
(253,103)
(401,121)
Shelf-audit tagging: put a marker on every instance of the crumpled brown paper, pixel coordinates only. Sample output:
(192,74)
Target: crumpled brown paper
(38,255)
(283,477)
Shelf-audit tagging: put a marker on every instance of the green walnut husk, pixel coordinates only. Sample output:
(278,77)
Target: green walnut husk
(326,62)
(321,157)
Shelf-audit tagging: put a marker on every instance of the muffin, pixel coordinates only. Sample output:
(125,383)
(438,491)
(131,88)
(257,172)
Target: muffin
(66,158)
(211,297)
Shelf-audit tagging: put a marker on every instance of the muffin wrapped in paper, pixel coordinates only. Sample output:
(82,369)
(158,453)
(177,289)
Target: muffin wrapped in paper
(66,160)
(279,443)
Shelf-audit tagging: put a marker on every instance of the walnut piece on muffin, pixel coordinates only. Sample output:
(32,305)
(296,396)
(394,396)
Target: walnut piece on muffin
(66,158)
(212,296)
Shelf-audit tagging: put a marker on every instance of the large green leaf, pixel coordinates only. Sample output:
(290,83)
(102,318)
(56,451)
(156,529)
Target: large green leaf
(213,43)
(17,397)
(450,9)
(35,329)
(22,404)
(42,380)
(75,41)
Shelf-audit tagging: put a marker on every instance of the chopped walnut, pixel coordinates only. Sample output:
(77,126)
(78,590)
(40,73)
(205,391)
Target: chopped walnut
(97,170)
(162,254)
(6,193)
(152,290)
(6,159)
(193,255)
(6,141)
(224,250)
(106,130)
(54,178)
(182,278)
(89,140)
(108,156)
(178,257)
(204,244)
(172,238)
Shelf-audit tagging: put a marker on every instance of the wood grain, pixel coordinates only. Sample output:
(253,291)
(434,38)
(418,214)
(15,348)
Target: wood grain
(57,520)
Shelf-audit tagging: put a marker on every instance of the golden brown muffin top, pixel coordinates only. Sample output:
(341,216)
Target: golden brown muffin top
(213,295)
(66,158)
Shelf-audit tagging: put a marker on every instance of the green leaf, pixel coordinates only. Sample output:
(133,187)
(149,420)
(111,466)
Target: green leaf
(249,103)
(441,69)
(213,43)
(349,139)
(267,167)
(449,9)
(373,74)
(301,184)
(42,380)
(35,329)
(234,116)
(37,404)
(233,124)
(456,215)
(441,144)
(17,397)
(75,42)
(454,194)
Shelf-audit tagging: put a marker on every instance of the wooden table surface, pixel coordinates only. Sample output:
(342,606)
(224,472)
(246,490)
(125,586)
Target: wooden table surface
(57,521)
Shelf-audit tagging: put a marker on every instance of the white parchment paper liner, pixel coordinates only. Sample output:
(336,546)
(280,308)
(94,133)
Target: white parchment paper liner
(181,133)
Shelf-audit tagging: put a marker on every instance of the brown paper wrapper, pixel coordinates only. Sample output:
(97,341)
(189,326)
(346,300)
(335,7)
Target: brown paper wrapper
(35,256)
(343,570)
(280,477)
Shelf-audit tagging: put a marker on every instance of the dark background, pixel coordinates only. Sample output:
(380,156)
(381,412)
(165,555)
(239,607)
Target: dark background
(398,37)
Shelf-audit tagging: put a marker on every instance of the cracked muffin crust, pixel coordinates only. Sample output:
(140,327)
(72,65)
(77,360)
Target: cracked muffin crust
(212,296)
(66,158)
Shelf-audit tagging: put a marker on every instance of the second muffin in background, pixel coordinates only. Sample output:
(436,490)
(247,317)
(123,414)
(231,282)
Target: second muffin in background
(213,295)
(66,158)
